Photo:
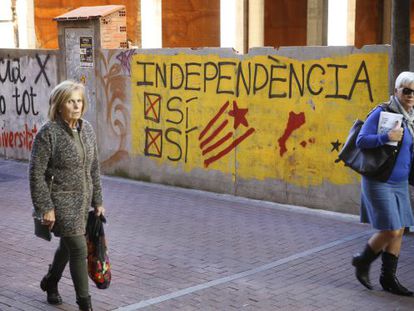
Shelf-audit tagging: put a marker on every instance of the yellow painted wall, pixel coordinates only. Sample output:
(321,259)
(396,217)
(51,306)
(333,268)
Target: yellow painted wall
(283,118)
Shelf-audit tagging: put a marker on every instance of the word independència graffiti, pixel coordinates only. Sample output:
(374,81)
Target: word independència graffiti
(18,139)
(278,79)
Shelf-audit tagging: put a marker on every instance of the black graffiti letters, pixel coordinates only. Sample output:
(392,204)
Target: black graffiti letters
(168,137)
(172,141)
(362,70)
(176,111)
(308,79)
(176,77)
(10,71)
(207,73)
(337,95)
(2,105)
(25,102)
(241,75)
(299,82)
(222,76)
(42,67)
(191,73)
(144,68)
(257,87)
(277,79)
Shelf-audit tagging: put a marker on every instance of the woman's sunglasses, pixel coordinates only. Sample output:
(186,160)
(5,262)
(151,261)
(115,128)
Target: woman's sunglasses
(407,91)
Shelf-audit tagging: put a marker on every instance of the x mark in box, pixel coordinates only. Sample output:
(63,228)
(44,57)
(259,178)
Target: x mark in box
(153,142)
(152,106)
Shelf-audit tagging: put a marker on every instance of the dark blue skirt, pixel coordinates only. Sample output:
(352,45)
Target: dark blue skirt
(386,206)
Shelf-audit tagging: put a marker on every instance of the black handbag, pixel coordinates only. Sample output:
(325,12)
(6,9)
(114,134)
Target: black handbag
(370,162)
(40,230)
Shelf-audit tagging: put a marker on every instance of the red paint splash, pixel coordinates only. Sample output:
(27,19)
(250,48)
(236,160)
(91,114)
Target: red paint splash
(295,121)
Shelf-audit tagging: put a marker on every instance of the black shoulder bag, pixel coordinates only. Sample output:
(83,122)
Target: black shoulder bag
(370,162)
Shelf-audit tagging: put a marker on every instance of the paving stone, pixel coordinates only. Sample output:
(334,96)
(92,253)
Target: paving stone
(181,249)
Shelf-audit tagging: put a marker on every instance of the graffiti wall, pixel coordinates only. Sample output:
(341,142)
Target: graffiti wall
(26,79)
(113,102)
(239,124)
(267,125)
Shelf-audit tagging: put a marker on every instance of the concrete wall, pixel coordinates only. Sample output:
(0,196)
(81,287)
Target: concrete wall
(266,125)
(26,79)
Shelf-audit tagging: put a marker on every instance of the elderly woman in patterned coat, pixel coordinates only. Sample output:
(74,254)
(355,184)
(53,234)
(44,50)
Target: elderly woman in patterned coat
(64,183)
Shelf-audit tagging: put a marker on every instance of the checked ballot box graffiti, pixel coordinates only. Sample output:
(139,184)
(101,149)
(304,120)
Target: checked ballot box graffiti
(169,128)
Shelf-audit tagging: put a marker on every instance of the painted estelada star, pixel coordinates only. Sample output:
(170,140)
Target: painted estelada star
(239,115)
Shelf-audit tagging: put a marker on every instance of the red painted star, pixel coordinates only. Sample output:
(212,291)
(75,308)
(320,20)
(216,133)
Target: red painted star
(239,115)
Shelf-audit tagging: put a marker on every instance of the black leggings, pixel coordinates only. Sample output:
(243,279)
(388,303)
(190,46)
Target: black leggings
(74,250)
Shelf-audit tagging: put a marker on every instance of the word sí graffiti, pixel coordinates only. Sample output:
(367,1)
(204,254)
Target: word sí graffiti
(18,139)
(277,79)
(173,135)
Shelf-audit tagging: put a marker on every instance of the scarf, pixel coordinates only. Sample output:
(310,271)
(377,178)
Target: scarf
(408,117)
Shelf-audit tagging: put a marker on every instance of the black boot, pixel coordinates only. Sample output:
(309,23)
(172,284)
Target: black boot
(49,284)
(84,303)
(388,279)
(362,263)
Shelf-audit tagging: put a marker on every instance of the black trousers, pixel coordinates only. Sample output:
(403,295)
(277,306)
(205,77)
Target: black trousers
(73,250)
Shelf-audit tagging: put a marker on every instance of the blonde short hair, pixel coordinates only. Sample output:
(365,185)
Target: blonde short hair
(61,94)
(404,78)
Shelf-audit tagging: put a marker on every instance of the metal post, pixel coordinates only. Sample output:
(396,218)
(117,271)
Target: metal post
(400,39)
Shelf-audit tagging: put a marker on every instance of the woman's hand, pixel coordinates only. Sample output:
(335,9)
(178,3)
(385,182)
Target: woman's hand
(49,218)
(99,210)
(396,133)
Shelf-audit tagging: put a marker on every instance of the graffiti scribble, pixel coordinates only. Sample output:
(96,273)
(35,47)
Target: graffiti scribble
(114,84)
(124,58)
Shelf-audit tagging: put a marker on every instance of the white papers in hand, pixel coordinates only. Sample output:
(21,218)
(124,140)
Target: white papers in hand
(387,122)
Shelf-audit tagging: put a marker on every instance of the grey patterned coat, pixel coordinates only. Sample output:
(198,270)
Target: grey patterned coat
(75,186)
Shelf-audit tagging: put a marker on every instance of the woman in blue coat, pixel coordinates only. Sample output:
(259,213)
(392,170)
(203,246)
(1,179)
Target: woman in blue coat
(385,203)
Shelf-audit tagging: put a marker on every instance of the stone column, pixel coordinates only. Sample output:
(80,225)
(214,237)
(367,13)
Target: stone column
(256,23)
(317,30)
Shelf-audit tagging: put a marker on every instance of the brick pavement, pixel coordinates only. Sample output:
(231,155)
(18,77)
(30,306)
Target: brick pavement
(180,249)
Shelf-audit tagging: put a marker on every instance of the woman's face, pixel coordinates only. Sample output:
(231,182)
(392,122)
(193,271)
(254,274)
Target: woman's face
(405,95)
(72,110)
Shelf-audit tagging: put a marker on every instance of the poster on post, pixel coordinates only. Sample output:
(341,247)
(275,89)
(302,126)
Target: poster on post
(86,52)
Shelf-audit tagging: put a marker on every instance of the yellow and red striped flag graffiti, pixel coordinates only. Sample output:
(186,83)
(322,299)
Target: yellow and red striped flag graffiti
(216,138)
